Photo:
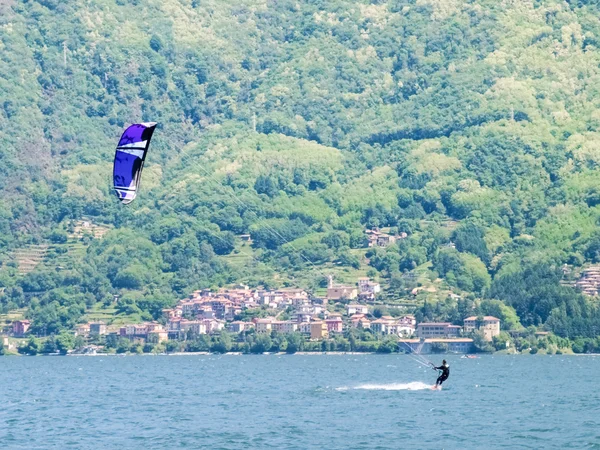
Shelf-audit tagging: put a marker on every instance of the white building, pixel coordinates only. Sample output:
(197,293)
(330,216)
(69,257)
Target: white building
(366,286)
(490,326)
(357,309)
(284,326)
(264,325)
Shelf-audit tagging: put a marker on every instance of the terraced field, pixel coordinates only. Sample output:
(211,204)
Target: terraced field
(58,255)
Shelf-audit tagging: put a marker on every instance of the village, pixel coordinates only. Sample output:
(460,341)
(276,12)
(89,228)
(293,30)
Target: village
(345,306)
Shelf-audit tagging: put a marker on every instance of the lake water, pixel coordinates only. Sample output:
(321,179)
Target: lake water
(297,402)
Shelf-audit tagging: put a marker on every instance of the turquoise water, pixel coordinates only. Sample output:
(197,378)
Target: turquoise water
(297,402)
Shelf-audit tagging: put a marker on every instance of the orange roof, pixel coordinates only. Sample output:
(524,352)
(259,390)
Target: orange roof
(485,318)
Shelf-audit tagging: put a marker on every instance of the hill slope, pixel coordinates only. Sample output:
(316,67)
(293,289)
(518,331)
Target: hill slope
(303,124)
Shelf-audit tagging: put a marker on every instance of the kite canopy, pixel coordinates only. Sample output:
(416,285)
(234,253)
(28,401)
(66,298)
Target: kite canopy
(129,160)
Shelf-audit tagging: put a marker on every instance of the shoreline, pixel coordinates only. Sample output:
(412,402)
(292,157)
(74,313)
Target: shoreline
(220,354)
(458,355)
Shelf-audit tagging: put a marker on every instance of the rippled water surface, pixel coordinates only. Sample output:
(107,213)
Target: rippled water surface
(297,402)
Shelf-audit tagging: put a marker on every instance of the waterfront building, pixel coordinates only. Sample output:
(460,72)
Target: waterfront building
(97,328)
(423,346)
(318,330)
(20,327)
(437,330)
(264,325)
(490,326)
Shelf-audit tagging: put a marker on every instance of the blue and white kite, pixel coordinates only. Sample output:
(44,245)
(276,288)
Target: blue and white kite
(129,160)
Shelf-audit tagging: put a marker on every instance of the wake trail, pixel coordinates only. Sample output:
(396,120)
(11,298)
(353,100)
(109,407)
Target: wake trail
(413,386)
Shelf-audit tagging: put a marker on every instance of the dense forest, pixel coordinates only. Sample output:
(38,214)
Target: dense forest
(470,125)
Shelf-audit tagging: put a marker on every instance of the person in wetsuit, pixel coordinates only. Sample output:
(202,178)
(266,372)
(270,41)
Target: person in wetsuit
(445,368)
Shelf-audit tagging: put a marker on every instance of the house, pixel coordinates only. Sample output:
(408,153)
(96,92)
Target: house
(332,315)
(357,309)
(192,326)
(383,325)
(132,330)
(367,297)
(304,327)
(153,326)
(213,325)
(366,286)
(140,330)
(380,326)
(402,330)
(20,327)
(221,308)
(174,324)
(82,330)
(169,313)
(334,324)
(385,240)
(589,283)
(408,320)
(97,328)
(284,326)
(158,336)
(264,325)
(205,312)
(437,330)
(490,326)
(188,308)
(360,321)
(249,304)
(303,316)
(339,291)
(239,326)
(300,301)
(318,330)
(378,239)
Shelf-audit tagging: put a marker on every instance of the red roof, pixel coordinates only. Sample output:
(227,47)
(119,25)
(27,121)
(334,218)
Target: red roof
(484,318)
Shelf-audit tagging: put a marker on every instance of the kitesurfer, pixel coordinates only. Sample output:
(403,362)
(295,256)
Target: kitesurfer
(445,368)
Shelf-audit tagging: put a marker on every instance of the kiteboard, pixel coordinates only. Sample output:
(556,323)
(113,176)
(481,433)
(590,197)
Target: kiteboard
(436,388)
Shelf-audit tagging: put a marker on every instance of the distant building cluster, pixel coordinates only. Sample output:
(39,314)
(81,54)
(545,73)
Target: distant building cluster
(377,238)
(589,283)
(208,312)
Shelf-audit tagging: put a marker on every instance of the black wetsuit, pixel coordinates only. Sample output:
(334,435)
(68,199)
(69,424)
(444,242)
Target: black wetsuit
(445,368)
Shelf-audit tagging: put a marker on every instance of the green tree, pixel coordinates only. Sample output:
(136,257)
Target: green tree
(295,342)
(389,344)
(123,345)
(148,347)
(222,344)
(78,343)
(32,347)
(480,343)
(49,345)
(65,342)
(261,344)
(172,346)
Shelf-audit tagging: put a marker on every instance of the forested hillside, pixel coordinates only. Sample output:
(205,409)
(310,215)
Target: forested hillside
(471,126)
